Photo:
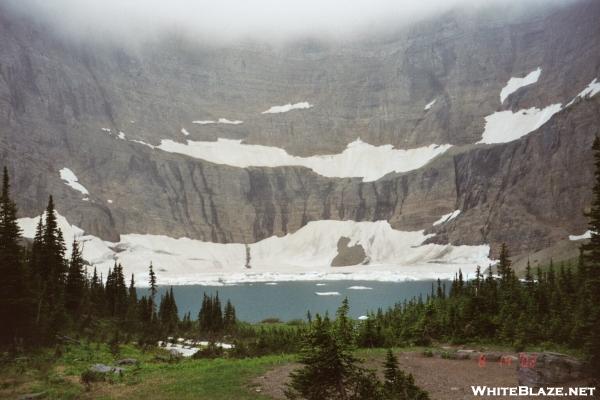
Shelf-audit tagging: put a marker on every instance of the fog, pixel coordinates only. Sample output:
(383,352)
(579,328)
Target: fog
(226,20)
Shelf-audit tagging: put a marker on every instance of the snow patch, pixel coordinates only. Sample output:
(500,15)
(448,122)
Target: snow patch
(447,217)
(121,135)
(106,130)
(288,107)
(185,132)
(109,201)
(429,105)
(363,318)
(142,142)
(506,126)
(583,236)
(327,293)
(304,255)
(515,84)
(590,91)
(219,121)
(359,159)
(71,180)
(320,284)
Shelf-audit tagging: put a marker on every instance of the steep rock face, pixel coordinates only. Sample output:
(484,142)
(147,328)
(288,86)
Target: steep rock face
(56,95)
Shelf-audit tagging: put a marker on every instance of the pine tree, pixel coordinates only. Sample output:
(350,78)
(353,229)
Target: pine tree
(329,365)
(51,315)
(15,307)
(229,318)
(76,282)
(153,289)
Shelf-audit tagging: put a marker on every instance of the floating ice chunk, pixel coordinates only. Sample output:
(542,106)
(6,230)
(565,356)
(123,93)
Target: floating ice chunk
(590,91)
(321,284)
(506,126)
(271,283)
(360,288)
(288,107)
(515,84)
(363,318)
(429,105)
(447,217)
(71,180)
(327,293)
(359,159)
(585,235)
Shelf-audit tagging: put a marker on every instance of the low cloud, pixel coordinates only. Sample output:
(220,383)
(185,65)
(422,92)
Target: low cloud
(274,20)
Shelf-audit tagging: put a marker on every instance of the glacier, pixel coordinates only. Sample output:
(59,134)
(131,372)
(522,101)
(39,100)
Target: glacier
(303,255)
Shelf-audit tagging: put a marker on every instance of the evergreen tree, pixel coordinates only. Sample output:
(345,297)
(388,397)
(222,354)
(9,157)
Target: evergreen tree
(51,315)
(76,282)
(15,307)
(153,289)
(229,318)
(396,384)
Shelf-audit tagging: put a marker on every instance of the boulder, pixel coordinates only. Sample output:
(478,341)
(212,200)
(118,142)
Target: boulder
(106,369)
(492,356)
(548,369)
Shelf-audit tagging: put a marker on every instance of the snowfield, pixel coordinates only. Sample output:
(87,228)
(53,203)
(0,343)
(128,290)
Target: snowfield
(506,126)
(515,84)
(429,105)
(288,107)
(590,91)
(359,159)
(304,255)
(71,180)
(447,217)
(583,236)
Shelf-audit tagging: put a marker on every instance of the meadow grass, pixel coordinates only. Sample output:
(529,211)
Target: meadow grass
(57,375)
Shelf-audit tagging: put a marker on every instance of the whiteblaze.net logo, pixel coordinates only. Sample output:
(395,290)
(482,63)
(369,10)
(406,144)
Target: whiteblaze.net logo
(531,392)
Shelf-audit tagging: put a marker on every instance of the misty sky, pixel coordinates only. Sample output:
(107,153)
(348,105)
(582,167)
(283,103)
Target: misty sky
(232,19)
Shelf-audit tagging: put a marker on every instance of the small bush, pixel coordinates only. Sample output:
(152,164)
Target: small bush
(89,376)
(428,353)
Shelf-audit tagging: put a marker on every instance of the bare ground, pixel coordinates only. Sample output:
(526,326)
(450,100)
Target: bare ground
(443,379)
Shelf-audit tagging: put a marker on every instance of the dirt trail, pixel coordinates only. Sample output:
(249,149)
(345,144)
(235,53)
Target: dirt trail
(443,379)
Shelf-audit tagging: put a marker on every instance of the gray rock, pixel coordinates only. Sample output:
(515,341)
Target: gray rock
(106,369)
(348,255)
(492,356)
(548,369)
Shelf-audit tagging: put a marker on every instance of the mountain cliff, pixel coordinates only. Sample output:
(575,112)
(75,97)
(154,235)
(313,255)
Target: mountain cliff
(103,109)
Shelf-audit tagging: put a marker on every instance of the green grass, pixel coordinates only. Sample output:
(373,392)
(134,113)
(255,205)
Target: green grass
(59,375)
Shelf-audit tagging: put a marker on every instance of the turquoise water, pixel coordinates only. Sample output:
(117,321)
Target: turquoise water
(291,300)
